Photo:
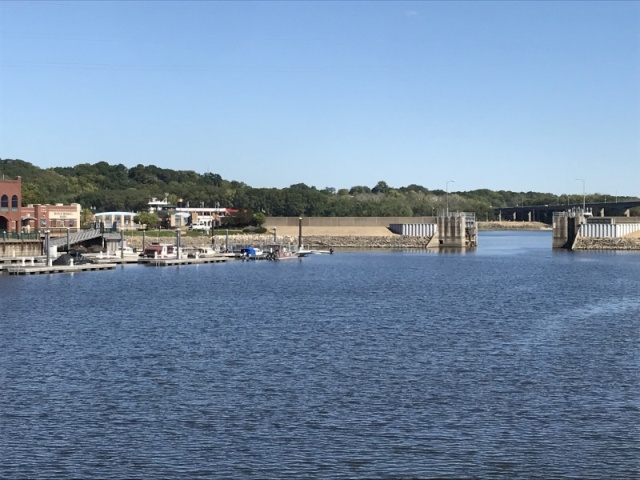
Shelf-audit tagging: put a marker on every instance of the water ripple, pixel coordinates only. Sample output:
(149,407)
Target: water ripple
(507,363)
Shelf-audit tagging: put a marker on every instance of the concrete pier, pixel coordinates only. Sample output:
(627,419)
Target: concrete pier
(456,230)
(574,224)
(565,229)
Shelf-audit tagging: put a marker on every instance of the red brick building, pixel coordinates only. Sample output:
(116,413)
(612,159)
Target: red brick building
(16,218)
(51,216)
(10,202)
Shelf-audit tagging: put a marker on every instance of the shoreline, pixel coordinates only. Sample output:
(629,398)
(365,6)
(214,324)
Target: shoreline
(380,237)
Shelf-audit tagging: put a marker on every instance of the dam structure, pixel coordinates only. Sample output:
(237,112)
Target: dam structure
(577,223)
(446,230)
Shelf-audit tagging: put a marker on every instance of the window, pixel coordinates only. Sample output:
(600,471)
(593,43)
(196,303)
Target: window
(4,203)
(14,203)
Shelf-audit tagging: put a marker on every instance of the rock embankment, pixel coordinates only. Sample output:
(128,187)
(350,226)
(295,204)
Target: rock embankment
(353,241)
(597,243)
(312,241)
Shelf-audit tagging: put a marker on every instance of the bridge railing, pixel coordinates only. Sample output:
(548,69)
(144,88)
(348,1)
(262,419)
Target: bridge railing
(76,237)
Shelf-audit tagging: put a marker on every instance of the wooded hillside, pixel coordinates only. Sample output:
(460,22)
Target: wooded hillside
(104,187)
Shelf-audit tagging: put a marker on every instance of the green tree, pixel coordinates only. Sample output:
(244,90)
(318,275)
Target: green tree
(259,219)
(149,219)
(381,187)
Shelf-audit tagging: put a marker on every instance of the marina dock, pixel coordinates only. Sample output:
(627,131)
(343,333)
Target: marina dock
(113,259)
(38,270)
(8,262)
(170,262)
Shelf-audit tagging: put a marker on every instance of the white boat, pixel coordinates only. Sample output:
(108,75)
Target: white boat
(303,252)
(278,252)
(127,253)
(202,252)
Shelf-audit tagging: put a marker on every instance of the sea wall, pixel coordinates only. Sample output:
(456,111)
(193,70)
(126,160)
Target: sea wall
(600,243)
(343,221)
(353,241)
(317,241)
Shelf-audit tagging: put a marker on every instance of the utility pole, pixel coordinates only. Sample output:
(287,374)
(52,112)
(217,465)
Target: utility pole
(448,182)
(584,195)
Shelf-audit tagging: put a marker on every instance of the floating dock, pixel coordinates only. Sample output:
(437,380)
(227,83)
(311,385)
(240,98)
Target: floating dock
(39,270)
(170,262)
(118,260)
(8,262)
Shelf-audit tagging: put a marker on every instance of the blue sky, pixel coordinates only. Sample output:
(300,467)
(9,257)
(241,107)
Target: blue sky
(523,96)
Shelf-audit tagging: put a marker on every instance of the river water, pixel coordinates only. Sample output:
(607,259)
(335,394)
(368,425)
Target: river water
(513,361)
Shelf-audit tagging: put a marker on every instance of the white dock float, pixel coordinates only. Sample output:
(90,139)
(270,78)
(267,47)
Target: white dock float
(85,267)
(170,262)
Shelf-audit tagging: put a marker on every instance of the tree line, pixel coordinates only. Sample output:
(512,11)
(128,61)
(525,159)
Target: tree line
(102,187)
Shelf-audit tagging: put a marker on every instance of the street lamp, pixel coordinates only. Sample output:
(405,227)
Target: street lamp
(448,182)
(584,196)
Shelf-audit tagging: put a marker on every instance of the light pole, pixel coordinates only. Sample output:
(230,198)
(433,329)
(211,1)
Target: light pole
(448,182)
(584,196)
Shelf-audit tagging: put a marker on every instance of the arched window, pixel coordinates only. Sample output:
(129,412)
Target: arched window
(14,203)
(4,202)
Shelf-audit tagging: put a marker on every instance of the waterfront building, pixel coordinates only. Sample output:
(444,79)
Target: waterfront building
(117,220)
(41,216)
(10,202)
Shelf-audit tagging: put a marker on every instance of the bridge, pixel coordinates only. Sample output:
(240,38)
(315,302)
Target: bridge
(82,236)
(544,213)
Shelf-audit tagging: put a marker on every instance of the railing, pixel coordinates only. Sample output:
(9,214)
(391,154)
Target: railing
(6,236)
(76,237)
(574,212)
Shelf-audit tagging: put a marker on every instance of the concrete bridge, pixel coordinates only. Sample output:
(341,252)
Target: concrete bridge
(544,213)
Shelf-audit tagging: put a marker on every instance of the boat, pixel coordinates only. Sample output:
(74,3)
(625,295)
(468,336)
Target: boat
(252,253)
(201,252)
(161,250)
(126,253)
(281,253)
(303,252)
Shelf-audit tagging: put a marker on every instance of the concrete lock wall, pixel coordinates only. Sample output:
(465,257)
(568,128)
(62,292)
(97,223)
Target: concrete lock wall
(345,221)
(451,231)
(565,230)
(414,229)
(611,230)
(560,231)
(26,248)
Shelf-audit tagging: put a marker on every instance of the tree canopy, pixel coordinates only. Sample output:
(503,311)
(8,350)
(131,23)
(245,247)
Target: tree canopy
(104,187)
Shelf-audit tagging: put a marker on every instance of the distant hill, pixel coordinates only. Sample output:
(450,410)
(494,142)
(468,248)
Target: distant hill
(104,187)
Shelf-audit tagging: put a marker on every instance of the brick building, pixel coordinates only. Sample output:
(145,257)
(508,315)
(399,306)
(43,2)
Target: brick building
(16,218)
(51,216)
(10,202)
